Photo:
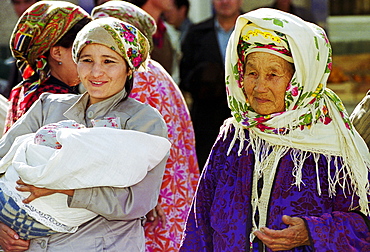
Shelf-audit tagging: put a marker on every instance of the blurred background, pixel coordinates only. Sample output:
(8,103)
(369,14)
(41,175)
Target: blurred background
(346,22)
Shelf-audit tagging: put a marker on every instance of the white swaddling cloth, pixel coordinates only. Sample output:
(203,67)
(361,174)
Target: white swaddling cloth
(90,157)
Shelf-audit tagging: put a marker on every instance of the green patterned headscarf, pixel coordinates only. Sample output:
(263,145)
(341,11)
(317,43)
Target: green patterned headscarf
(117,35)
(39,28)
(315,120)
(129,13)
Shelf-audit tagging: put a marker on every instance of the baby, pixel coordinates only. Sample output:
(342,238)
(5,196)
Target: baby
(67,155)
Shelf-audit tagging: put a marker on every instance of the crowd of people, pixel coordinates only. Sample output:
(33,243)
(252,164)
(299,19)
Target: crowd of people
(133,129)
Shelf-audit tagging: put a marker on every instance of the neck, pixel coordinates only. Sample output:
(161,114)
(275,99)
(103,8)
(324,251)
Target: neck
(227,23)
(152,10)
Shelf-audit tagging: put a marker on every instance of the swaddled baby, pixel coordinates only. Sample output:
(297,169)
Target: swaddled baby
(67,155)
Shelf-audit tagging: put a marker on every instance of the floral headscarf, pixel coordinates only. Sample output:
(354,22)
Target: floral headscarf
(117,35)
(315,121)
(39,28)
(129,13)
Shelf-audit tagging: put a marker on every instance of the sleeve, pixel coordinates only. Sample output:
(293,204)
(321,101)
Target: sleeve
(360,118)
(130,202)
(28,123)
(341,229)
(198,234)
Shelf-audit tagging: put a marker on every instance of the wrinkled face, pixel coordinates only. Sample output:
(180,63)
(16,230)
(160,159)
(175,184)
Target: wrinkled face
(227,8)
(266,78)
(102,71)
(21,5)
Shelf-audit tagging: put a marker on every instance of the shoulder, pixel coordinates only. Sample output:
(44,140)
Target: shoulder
(59,98)
(204,25)
(142,117)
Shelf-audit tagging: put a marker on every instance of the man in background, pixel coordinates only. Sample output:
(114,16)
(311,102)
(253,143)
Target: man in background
(202,73)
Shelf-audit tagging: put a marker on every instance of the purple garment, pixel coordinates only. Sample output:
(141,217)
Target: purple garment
(220,217)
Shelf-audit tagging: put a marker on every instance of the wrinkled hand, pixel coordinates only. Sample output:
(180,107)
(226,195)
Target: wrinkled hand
(37,192)
(9,240)
(154,217)
(294,236)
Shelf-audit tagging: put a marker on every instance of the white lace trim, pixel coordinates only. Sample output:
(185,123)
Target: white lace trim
(41,217)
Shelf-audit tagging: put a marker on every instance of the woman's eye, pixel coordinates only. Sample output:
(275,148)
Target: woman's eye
(86,60)
(108,61)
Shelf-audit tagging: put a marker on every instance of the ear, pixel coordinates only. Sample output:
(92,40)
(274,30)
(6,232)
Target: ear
(56,53)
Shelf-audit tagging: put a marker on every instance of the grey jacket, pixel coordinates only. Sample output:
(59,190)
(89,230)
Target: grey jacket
(119,226)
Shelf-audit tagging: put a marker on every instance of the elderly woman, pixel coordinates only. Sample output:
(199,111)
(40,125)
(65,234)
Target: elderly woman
(288,171)
(41,43)
(107,52)
(156,88)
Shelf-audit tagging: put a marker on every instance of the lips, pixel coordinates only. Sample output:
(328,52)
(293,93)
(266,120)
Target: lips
(97,83)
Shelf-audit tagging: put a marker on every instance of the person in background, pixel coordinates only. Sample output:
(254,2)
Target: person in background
(288,171)
(156,88)
(360,118)
(103,51)
(163,50)
(178,17)
(177,24)
(288,6)
(15,76)
(42,44)
(202,73)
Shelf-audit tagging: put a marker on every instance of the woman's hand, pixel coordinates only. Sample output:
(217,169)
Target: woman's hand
(294,236)
(9,240)
(154,217)
(37,192)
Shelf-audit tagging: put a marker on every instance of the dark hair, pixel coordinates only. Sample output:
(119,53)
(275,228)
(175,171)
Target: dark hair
(138,3)
(67,40)
(129,85)
(180,3)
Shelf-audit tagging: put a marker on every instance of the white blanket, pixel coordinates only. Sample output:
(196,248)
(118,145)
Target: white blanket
(90,157)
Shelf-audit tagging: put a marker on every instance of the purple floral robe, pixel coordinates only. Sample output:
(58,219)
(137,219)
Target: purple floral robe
(220,217)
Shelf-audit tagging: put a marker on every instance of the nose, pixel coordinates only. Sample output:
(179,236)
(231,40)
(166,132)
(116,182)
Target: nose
(260,85)
(96,70)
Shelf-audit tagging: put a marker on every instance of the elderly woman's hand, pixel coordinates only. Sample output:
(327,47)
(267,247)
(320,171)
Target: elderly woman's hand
(294,236)
(37,192)
(9,240)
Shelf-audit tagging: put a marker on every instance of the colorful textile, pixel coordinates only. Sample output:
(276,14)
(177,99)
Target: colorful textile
(19,104)
(129,13)
(220,217)
(305,161)
(37,30)
(156,88)
(18,220)
(117,35)
(313,112)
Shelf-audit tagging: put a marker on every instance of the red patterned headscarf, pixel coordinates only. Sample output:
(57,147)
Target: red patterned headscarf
(39,28)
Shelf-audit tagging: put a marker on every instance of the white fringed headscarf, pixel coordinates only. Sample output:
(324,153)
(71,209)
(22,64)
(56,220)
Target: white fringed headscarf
(315,121)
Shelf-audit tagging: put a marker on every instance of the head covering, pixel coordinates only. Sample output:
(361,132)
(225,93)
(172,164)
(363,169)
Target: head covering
(315,121)
(39,28)
(129,13)
(121,37)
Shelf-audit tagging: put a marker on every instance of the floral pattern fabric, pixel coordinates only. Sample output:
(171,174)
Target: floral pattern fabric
(156,88)
(121,37)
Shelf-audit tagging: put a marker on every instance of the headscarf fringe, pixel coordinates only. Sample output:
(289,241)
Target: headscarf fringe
(342,164)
